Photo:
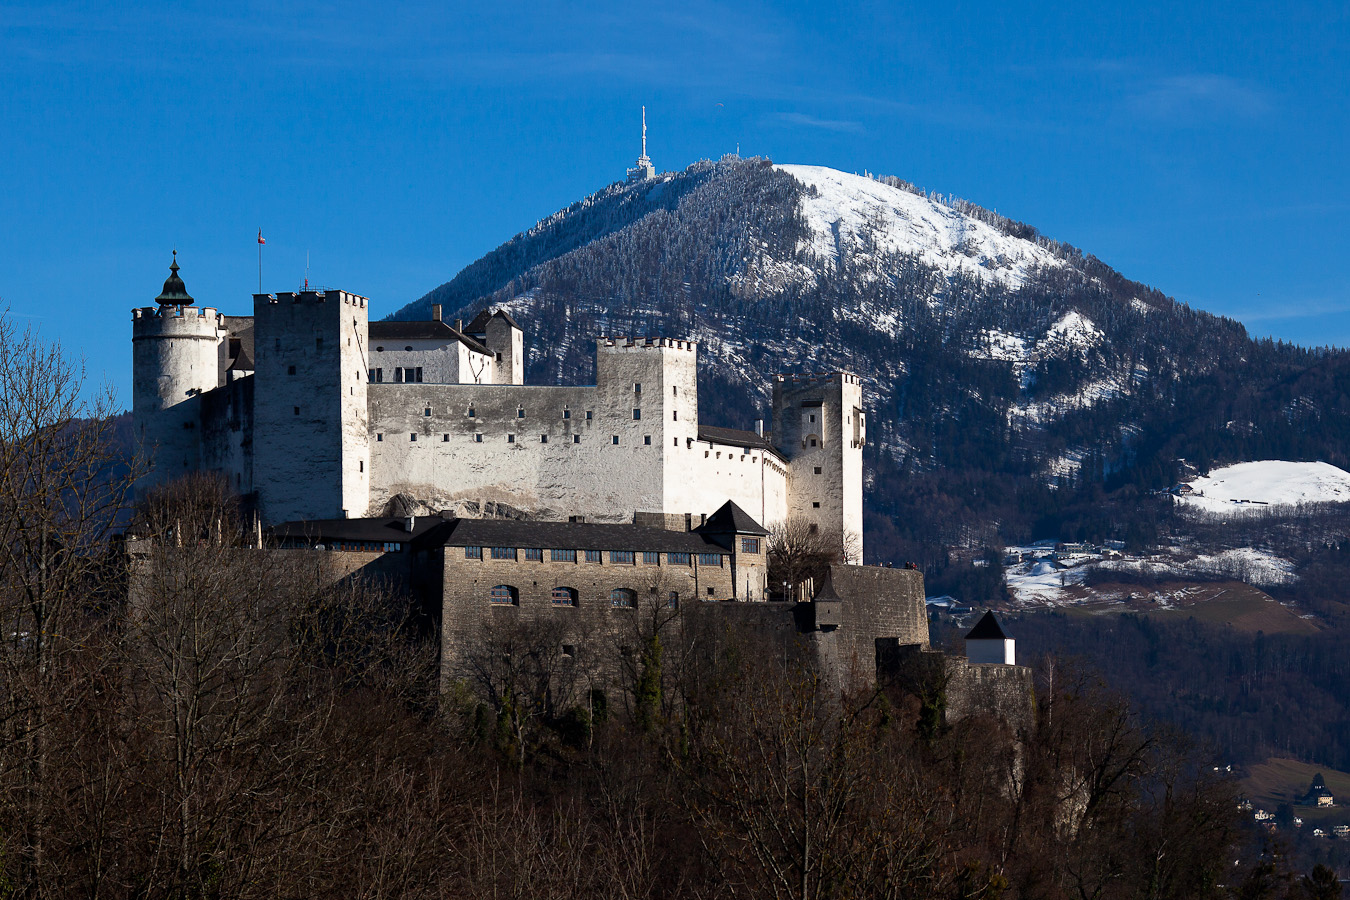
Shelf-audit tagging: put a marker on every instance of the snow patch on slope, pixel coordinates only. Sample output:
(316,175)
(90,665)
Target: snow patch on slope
(852,217)
(1253,487)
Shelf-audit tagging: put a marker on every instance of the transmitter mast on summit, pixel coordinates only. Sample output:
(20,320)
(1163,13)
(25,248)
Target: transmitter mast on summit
(643,170)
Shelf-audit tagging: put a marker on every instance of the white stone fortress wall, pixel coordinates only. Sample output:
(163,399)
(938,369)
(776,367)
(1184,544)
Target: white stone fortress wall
(303,427)
(175,360)
(629,444)
(311,438)
(820,425)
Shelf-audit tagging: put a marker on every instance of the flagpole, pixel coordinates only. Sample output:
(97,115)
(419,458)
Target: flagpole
(260,246)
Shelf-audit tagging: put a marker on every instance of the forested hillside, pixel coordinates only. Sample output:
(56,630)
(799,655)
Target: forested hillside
(1009,376)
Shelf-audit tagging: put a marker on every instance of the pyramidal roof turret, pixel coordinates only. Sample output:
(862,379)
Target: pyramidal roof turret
(175,292)
(987,629)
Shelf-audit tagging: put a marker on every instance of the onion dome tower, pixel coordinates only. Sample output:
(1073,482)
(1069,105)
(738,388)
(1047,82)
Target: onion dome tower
(175,359)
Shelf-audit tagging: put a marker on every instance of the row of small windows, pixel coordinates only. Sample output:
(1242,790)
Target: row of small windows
(616,557)
(409,375)
(510,438)
(619,598)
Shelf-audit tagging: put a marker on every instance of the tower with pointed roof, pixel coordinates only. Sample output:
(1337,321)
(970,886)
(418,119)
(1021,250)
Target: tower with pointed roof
(643,169)
(175,356)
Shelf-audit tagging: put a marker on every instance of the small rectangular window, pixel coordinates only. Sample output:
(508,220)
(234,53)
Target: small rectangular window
(567,414)
(576,439)
(445,439)
(817,470)
(503,552)
(593,556)
(534,554)
(370,375)
(419,374)
(749,545)
(637,387)
(379,438)
(675,442)
(379,376)
(360,465)
(520,413)
(413,437)
(398,374)
(815,504)
(318,343)
(427,411)
(470,412)
(563,555)
(543,439)
(614,439)
(473,552)
(675,415)
(478,439)
(651,558)
(647,440)
(621,557)
(510,438)
(290,370)
(637,414)
(677,559)
(297,410)
(588,414)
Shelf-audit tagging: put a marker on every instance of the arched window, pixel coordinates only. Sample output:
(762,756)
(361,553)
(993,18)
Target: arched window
(504,595)
(564,596)
(622,598)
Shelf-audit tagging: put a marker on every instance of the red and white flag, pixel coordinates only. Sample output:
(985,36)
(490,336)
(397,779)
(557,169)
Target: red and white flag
(260,237)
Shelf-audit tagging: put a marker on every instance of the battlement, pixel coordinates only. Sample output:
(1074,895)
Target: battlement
(200,322)
(316,296)
(807,378)
(643,343)
(177,312)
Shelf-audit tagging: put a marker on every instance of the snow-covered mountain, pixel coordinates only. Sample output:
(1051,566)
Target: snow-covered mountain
(1005,371)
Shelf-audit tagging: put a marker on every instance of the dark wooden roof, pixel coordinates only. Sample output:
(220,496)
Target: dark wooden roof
(430,330)
(433,531)
(733,436)
(987,629)
(731,519)
(570,536)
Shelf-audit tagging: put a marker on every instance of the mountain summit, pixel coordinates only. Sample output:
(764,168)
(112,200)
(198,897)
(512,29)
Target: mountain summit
(1009,375)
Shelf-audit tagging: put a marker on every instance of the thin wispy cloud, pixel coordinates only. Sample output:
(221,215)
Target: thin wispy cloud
(847,126)
(1197,95)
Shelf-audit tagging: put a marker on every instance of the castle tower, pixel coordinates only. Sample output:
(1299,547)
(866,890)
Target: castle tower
(175,359)
(820,426)
(507,344)
(311,452)
(643,169)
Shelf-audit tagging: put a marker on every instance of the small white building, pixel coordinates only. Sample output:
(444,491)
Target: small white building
(988,644)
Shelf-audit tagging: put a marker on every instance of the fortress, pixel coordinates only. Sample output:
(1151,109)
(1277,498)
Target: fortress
(313,412)
(560,512)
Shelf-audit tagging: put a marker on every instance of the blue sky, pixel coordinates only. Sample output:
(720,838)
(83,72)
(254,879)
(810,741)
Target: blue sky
(1200,148)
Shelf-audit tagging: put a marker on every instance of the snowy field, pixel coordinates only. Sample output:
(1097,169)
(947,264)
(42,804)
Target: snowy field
(1254,487)
(850,211)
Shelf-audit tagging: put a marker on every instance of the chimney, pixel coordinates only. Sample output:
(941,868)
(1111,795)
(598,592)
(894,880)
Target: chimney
(459,324)
(759,427)
(436,311)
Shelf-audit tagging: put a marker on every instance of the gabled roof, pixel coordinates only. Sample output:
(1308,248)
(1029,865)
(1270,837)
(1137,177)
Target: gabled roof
(430,330)
(731,519)
(434,531)
(480,321)
(385,529)
(733,436)
(987,629)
